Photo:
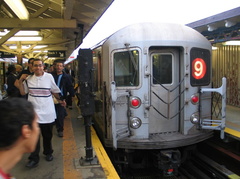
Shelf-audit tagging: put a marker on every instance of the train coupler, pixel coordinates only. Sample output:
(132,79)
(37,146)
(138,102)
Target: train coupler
(168,161)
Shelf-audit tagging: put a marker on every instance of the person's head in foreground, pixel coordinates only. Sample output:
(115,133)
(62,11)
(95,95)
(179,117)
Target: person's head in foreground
(19,131)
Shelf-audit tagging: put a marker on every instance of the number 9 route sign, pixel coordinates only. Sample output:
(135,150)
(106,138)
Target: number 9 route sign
(200,67)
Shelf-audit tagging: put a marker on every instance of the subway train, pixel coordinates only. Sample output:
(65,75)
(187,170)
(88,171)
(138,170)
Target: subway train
(148,89)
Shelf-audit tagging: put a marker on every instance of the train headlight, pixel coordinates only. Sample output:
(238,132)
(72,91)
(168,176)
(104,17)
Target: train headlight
(135,123)
(195,118)
(195,99)
(135,102)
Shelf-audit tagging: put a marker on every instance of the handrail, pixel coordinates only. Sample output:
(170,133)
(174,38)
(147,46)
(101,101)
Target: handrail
(217,124)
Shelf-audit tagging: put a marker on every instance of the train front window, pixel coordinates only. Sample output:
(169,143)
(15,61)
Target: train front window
(162,68)
(126,68)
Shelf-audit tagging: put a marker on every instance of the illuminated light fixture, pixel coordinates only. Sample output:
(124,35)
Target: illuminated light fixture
(27,33)
(18,8)
(214,48)
(25,39)
(135,122)
(195,99)
(21,33)
(135,102)
(26,47)
(4,32)
(229,23)
(40,46)
(37,51)
(211,28)
(195,118)
(232,42)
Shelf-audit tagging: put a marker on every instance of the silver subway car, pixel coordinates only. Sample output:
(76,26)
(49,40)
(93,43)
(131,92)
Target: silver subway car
(150,86)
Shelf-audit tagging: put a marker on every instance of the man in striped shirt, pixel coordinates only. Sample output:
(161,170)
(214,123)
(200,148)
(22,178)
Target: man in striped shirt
(40,87)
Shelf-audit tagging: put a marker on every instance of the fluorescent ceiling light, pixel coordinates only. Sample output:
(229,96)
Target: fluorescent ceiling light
(27,46)
(4,32)
(25,39)
(233,42)
(27,33)
(40,46)
(37,51)
(21,33)
(18,8)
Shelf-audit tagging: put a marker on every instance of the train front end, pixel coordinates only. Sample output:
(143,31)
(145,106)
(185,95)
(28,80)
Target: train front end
(152,76)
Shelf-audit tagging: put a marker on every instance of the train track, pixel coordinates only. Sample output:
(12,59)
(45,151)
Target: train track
(202,167)
(212,159)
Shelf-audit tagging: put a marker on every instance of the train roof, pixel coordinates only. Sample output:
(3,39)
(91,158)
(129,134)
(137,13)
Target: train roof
(165,33)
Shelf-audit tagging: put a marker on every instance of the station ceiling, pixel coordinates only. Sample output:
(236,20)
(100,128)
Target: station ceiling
(62,24)
(221,27)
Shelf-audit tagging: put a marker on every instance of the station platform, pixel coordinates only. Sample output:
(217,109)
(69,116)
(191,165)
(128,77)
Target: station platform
(69,152)
(70,156)
(233,121)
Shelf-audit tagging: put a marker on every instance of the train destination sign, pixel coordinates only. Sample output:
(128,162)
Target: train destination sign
(200,67)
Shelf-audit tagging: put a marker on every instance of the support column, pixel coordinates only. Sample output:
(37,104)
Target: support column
(19,59)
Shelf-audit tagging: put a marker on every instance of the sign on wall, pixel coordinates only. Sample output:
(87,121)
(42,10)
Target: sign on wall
(6,55)
(56,54)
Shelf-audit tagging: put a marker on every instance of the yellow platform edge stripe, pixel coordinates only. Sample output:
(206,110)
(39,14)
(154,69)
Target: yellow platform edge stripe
(232,132)
(103,158)
(233,176)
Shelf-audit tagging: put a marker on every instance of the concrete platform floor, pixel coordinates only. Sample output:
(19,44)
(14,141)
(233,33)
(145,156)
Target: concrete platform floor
(67,154)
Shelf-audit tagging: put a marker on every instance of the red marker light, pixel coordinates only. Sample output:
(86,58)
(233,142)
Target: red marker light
(194,99)
(135,102)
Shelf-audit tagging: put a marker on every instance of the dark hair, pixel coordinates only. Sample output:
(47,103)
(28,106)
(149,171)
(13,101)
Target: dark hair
(14,113)
(11,68)
(59,61)
(30,59)
(37,60)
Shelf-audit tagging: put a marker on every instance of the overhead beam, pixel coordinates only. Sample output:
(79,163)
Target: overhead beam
(8,35)
(38,23)
(41,10)
(68,9)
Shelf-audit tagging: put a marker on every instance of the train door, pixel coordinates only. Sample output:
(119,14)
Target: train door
(126,85)
(164,91)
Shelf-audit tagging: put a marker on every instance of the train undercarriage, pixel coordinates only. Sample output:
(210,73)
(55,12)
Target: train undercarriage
(159,163)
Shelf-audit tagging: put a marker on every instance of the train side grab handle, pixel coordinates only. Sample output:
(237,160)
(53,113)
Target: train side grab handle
(218,124)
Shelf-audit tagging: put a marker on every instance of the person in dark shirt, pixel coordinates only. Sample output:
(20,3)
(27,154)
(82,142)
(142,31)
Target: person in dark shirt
(69,97)
(64,82)
(12,90)
(28,71)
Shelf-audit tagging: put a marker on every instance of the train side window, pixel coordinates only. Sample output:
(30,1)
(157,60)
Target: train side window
(126,68)
(162,68)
